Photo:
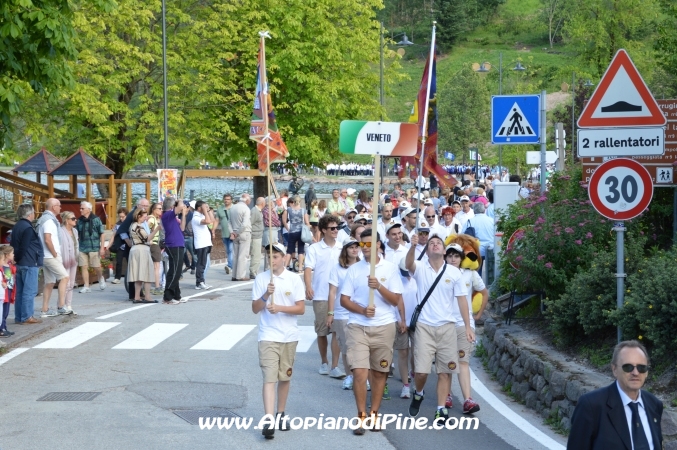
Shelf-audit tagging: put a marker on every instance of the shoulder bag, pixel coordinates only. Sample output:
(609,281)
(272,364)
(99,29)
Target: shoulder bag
(306,234)
(419,307)
(470,231)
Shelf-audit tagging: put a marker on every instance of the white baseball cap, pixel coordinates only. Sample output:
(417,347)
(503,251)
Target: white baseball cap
(406,212)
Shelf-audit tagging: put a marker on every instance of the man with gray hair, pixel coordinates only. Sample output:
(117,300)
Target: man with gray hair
(53,270)
(485,230)
(28,256)
(241,235)
(257,237)
(90,234)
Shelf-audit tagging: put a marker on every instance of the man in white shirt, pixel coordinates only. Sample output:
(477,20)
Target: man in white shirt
(344,229)
(466,212)
(202,241)
(371,329)
(435,335)
(386,219)
(408,218)
(279,300)
(53,269)
(320,258)
(395,248)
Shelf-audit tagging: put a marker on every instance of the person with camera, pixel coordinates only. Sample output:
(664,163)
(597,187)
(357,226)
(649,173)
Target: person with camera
(174,246)
(202,238)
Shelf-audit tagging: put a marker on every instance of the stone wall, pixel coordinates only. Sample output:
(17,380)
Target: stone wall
(545,380)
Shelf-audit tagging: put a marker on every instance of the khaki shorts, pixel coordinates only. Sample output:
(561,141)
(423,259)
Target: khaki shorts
(320,308)
(401,340)
(155,253)
(339,327)
(370,347)
(276,360)
(465,348)
(90,259)
(53,270)
(438,343)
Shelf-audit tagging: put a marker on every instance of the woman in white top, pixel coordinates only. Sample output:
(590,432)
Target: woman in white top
(338,315)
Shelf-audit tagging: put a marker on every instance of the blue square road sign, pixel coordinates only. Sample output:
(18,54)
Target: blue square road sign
(515,119)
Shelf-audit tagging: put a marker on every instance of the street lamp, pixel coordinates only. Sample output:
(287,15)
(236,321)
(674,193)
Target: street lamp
(519,67)
(164,83)
(588,84)
(405,41)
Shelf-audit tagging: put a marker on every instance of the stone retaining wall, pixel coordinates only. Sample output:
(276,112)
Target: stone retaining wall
(545,380)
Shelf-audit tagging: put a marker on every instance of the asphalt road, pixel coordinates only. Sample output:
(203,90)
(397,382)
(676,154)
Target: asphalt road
(152,364)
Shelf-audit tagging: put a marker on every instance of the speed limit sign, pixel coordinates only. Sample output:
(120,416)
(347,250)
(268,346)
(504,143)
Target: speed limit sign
(620,189)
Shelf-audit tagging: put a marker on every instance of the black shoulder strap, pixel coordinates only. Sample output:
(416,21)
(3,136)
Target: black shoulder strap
(420,257)
(430,291)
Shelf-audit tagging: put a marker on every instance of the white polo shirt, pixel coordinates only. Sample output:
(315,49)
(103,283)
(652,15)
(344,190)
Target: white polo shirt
(320,257)
(337,276)
(407,232)
(50,228)
(289,289)
(202,236)
(438,310)
(420,249)
(394,256)
(410,297)
(342,236)
(463,217)
(355,287)
(381,227)
(472,282)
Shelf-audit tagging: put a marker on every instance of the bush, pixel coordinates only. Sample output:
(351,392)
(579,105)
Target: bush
(649,313)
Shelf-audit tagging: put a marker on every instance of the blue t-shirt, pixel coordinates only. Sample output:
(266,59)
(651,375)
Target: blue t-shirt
(173,233)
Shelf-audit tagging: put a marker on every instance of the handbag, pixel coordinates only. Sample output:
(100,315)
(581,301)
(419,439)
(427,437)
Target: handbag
(419,307)
(306,234)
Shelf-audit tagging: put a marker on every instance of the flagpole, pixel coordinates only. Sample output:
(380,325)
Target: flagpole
(425,121)
(264,109)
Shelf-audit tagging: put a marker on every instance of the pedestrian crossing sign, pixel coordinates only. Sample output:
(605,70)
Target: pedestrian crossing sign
(515,119)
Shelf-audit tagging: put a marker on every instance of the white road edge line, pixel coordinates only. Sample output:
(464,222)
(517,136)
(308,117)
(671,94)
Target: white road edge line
(108,316)
(512,416)
(12,354)
(133,308)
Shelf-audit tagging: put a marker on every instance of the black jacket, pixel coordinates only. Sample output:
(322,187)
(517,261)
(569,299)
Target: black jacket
(26,244)
(599,421)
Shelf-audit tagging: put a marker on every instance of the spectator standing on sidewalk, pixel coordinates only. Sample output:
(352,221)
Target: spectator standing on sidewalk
(120,254)
(223,219)
(28,255)
(310,197)
(53,270)
(188,237)
(123,231)
(154,219)
(174,246)
(257,236)
(90,231)
(8,277)
(241,235)
(70,249)
(202,217)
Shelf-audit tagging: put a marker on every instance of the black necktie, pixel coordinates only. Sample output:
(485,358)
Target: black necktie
(639,440)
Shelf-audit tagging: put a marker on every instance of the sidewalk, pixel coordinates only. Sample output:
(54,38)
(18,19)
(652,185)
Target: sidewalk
(96,303)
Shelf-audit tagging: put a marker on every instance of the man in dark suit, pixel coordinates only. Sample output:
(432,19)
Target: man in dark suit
(621,415)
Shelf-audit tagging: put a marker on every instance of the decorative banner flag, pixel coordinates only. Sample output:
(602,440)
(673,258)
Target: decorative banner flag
(430,153)
(377,138)
(167,182)
(474,156)
(257,131)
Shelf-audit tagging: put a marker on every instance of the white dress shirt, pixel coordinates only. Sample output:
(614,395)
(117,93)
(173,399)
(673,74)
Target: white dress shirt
(642,415)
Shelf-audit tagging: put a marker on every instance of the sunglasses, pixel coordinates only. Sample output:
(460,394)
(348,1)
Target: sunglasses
(72,218)
(641,368)
(350,217)
(423,233)
(429,217)
(365,244)
(332,228)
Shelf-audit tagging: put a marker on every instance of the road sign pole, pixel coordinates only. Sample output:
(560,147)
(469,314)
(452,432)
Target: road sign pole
(560,145)
(542,124)
(619,228)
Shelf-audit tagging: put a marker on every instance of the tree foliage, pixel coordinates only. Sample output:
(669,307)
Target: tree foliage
(459,17)
(321,67)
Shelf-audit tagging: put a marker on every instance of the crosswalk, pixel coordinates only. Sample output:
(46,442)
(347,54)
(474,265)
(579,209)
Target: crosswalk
(224,338)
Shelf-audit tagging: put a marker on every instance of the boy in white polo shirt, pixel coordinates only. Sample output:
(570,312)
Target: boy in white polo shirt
(278,332)
(370,332)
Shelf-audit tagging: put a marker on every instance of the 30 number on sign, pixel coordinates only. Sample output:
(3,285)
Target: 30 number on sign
(620,189)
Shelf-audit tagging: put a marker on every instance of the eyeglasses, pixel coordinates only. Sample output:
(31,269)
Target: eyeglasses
(641,368)
(72,218)
(423,233)
(332,228)
(365,244)
(430,217)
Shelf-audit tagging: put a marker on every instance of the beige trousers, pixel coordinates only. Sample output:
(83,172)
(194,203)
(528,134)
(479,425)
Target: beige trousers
(255,255)
(241,247)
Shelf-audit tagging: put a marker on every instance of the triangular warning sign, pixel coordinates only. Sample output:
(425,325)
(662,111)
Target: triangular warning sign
(515,124)
(621,99)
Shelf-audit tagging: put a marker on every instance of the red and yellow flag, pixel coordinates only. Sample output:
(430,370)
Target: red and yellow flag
(263,106)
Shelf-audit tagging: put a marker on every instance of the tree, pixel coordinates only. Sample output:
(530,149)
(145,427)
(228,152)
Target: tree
(555,12)
(464,112)
(666,48)
(320,65)
(36,43)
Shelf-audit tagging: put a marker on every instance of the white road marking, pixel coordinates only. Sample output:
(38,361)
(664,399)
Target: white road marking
(512,416)
(307,337)
(12,354)
(224,337)
(151,336)
(239,284)
(108,316)
(78,335)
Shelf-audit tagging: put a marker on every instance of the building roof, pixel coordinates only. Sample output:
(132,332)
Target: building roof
(80,163)
(42,161)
